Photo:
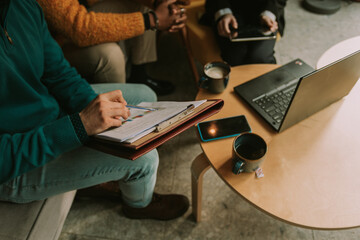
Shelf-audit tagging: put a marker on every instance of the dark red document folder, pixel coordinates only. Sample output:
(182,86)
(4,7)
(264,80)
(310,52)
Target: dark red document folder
(147,143)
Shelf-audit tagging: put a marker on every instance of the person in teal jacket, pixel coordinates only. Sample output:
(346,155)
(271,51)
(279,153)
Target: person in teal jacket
(47,113)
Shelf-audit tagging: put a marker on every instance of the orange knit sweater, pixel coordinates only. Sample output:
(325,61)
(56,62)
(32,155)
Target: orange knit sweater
(70,21)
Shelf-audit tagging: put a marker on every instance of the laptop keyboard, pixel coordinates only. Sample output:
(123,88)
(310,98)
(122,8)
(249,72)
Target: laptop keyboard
(276,103)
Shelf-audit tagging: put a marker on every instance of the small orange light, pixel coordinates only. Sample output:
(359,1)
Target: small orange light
(212,131)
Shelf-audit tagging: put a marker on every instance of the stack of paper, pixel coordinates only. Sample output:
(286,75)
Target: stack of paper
(144,121)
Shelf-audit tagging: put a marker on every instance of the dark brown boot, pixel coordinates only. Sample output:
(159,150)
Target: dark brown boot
(162,207)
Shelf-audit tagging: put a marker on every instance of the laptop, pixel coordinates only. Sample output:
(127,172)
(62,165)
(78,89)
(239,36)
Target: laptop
(295,91)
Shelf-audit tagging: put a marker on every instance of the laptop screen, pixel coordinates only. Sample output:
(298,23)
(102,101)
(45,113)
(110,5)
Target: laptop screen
(321,88)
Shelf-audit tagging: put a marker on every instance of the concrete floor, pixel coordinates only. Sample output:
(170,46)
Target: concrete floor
(225,214)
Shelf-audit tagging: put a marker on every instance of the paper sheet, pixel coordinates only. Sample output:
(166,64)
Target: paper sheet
(142,122)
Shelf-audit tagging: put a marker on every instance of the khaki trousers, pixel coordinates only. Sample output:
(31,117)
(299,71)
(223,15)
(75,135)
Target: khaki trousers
(109,62)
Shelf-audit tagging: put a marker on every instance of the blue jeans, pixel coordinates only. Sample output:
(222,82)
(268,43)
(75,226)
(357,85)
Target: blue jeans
(85,167)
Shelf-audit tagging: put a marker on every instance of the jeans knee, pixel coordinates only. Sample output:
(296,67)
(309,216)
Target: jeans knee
(146,93)
(147,166)
(151,161)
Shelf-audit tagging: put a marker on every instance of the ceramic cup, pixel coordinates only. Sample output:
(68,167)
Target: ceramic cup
(249,151)
(216,76)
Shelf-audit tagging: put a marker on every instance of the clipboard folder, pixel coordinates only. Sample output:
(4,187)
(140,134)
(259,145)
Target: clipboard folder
(154,139)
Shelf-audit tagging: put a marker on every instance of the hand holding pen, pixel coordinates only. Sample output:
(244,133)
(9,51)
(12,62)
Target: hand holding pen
(104,112)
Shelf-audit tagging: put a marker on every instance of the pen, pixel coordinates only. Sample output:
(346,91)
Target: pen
(142,108)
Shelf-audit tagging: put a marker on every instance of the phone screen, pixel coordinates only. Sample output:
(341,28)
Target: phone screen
(223,128)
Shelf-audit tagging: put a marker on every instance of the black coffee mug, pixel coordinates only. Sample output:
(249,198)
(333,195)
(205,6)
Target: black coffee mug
(249,151)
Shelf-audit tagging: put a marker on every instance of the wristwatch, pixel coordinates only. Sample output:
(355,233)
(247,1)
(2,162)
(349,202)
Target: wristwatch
(156,21)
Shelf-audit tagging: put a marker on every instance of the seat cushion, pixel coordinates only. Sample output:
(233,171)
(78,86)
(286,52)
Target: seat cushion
(35,221)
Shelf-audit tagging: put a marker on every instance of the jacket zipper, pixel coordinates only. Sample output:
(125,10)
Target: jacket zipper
(8,36)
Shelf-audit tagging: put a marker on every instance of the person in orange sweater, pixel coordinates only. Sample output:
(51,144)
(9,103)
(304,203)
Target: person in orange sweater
(104,38)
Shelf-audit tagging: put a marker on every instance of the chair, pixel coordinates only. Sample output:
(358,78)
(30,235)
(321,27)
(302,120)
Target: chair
(38,220)
(199,40)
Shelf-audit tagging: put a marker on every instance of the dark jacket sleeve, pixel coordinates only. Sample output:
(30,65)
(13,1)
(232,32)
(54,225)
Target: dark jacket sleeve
(248,9)
(277,7)
(212,6)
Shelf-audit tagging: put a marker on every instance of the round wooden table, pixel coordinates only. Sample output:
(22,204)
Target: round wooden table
(311,170)
(339,51)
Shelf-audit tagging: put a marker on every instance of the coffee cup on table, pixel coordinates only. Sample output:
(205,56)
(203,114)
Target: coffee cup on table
(216,76)
(249,151)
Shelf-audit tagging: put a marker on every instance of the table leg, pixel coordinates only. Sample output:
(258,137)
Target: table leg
(198,167)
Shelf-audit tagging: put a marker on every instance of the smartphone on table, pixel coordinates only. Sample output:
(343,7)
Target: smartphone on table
(223,128)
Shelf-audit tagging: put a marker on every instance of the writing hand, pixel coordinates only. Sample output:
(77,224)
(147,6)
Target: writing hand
(104,112)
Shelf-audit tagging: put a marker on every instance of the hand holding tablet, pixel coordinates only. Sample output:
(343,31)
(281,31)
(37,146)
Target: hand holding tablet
(252,33)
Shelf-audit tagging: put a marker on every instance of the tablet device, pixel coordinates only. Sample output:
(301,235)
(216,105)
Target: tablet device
(252,33)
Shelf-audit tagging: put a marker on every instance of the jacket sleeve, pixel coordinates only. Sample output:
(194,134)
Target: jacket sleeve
(83,28)
(71,91)
(277,7)
(212,6)
(148,3)
(21,152)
